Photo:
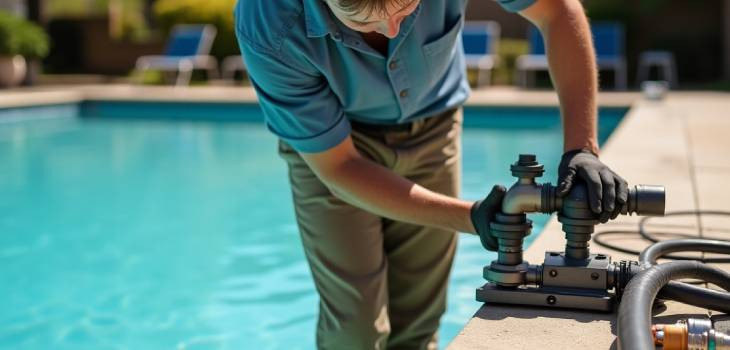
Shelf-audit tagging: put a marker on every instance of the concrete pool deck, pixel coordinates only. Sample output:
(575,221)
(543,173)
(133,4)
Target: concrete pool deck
(681,142)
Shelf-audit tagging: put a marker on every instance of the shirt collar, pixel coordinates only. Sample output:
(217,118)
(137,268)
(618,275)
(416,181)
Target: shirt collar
(318,19)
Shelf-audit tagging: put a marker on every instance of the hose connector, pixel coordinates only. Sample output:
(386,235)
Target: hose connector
(690,334)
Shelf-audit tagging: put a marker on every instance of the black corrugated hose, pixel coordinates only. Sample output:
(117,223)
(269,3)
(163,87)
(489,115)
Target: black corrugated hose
(682,292)
(634,320)
(634,313)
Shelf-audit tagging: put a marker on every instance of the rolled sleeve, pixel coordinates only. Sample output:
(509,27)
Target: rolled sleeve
(298,104)
(515,5)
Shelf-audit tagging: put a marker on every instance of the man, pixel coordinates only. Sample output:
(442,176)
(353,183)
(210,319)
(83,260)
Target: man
(365,97)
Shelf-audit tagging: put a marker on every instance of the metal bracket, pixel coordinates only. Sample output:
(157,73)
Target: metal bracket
(571,298)
(564,283)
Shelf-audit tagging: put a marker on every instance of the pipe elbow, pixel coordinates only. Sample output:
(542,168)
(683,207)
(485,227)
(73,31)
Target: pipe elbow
(522,198)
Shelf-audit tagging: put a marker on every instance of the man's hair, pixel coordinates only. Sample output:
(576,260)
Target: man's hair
(368,7)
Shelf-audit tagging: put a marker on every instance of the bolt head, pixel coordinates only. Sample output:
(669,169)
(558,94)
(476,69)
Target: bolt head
(527,159)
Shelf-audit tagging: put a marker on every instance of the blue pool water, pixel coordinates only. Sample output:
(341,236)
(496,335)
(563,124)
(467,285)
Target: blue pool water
(163,232)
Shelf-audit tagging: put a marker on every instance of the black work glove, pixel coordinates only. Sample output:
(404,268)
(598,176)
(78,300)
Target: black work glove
(483,212)
(607,192)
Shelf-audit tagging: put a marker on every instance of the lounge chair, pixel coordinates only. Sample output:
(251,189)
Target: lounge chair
(187,49)
(480,40)
(608,40)
(231,65)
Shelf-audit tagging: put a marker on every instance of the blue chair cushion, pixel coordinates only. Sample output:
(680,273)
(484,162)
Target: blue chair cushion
(475,42)
(184,42)
(537,46)
(607,39)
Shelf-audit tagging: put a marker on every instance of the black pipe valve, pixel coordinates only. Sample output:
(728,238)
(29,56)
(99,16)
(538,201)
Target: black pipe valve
(574,278)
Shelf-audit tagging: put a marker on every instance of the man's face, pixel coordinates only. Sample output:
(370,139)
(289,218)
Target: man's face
(387,24)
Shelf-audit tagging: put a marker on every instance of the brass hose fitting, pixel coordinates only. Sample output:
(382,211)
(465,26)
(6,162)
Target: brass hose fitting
(690,334)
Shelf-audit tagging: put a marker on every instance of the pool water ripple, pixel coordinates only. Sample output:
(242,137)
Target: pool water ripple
(150,234)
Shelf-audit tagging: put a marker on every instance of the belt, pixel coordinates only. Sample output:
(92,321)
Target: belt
(357,125)
(403,127)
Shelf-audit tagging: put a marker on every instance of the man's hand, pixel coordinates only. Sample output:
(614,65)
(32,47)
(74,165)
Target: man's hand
(607,192)
(483,212)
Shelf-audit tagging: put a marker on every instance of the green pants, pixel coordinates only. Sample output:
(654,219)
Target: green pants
(382,283)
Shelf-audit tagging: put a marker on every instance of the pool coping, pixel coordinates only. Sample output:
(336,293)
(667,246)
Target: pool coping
(49,95)
(680,143)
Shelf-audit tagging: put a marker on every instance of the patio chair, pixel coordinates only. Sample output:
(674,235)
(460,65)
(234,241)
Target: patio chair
(187,50)
(231,65)
(663,61)
(480,40)
(608,41)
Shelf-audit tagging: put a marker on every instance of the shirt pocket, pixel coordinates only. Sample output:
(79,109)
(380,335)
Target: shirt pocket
(439,53)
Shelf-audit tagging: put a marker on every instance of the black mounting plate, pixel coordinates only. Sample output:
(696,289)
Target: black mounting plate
(570,298)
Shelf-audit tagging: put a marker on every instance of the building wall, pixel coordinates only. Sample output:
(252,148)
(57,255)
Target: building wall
(513,25)
(85,46)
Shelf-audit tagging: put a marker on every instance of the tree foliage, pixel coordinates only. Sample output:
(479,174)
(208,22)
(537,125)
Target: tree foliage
(216,12)
(21,37)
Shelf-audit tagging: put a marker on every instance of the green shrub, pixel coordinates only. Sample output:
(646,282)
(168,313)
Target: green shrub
(508,51)
(504,71)
(21,37)
(216,12)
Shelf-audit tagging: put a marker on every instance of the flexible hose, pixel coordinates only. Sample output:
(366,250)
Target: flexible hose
(697,296)
(649,256)
(598,237)
(684,292)
(642,223)
(634,318)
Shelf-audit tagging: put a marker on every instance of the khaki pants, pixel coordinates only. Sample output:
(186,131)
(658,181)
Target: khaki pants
(382,283)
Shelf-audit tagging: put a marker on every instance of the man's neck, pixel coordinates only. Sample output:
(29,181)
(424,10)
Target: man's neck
(377,41)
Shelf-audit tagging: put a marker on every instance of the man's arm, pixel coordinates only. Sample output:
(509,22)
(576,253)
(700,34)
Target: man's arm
(297,103)
(370,186)
(572,62)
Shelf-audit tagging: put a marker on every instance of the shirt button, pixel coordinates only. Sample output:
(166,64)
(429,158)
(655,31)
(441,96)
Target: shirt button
(393,65)
(404,93)
(337,36)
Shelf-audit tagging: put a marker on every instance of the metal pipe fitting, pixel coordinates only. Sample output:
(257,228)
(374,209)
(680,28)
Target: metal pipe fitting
(509,269)
(522,197)
(722,340)
(594,273)
(698,333)
(528,196)
(525,196)
(690,334)
(534,275)
(671,336)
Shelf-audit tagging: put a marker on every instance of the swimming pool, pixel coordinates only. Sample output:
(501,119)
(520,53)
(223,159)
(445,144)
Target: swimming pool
(157,226)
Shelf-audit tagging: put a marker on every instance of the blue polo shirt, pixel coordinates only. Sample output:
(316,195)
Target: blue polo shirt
(313,74)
